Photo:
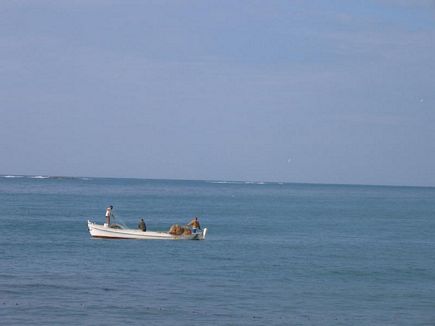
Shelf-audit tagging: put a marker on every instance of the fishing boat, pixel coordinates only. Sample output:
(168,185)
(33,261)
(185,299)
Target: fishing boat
(118,231)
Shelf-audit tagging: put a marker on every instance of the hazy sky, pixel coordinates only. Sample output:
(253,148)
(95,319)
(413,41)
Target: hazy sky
(297,91)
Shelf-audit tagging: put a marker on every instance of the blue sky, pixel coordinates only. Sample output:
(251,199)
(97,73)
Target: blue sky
(294,91)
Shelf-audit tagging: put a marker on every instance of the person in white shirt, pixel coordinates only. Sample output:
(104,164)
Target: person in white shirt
(108,214)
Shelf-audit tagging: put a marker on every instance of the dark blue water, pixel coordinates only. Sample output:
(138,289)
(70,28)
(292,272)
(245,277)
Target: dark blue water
(276,254)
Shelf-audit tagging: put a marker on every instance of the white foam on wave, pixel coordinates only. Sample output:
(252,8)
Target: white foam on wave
(227,182)
(239,182)
(40,177)
(12,176)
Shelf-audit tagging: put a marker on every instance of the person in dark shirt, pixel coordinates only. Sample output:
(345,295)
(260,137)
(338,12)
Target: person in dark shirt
(142,226)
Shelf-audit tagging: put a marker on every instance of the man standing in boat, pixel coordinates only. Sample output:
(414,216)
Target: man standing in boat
(108,214)
(194,223)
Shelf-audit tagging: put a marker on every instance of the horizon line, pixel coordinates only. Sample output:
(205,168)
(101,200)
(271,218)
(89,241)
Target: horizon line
(46,176)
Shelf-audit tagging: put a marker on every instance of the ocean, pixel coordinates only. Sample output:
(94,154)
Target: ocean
(275,254)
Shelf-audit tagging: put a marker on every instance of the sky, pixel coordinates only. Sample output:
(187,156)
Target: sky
(288,91)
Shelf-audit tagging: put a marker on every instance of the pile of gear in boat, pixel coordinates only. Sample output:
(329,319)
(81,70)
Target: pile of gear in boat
(188,229)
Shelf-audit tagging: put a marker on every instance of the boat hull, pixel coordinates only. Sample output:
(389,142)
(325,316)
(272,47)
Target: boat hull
(103,231)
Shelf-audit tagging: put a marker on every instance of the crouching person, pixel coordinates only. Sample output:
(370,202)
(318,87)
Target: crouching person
(142,226)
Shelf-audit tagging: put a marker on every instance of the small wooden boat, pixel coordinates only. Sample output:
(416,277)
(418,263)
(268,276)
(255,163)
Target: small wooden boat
(121,232)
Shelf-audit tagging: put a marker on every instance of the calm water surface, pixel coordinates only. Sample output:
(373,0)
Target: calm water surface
(275,254)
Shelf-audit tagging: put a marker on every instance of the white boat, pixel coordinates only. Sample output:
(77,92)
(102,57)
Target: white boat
(121,232)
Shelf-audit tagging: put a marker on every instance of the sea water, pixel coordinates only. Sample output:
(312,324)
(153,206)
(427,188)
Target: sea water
(275,254)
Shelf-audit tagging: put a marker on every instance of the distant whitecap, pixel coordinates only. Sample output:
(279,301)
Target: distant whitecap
(227,182)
